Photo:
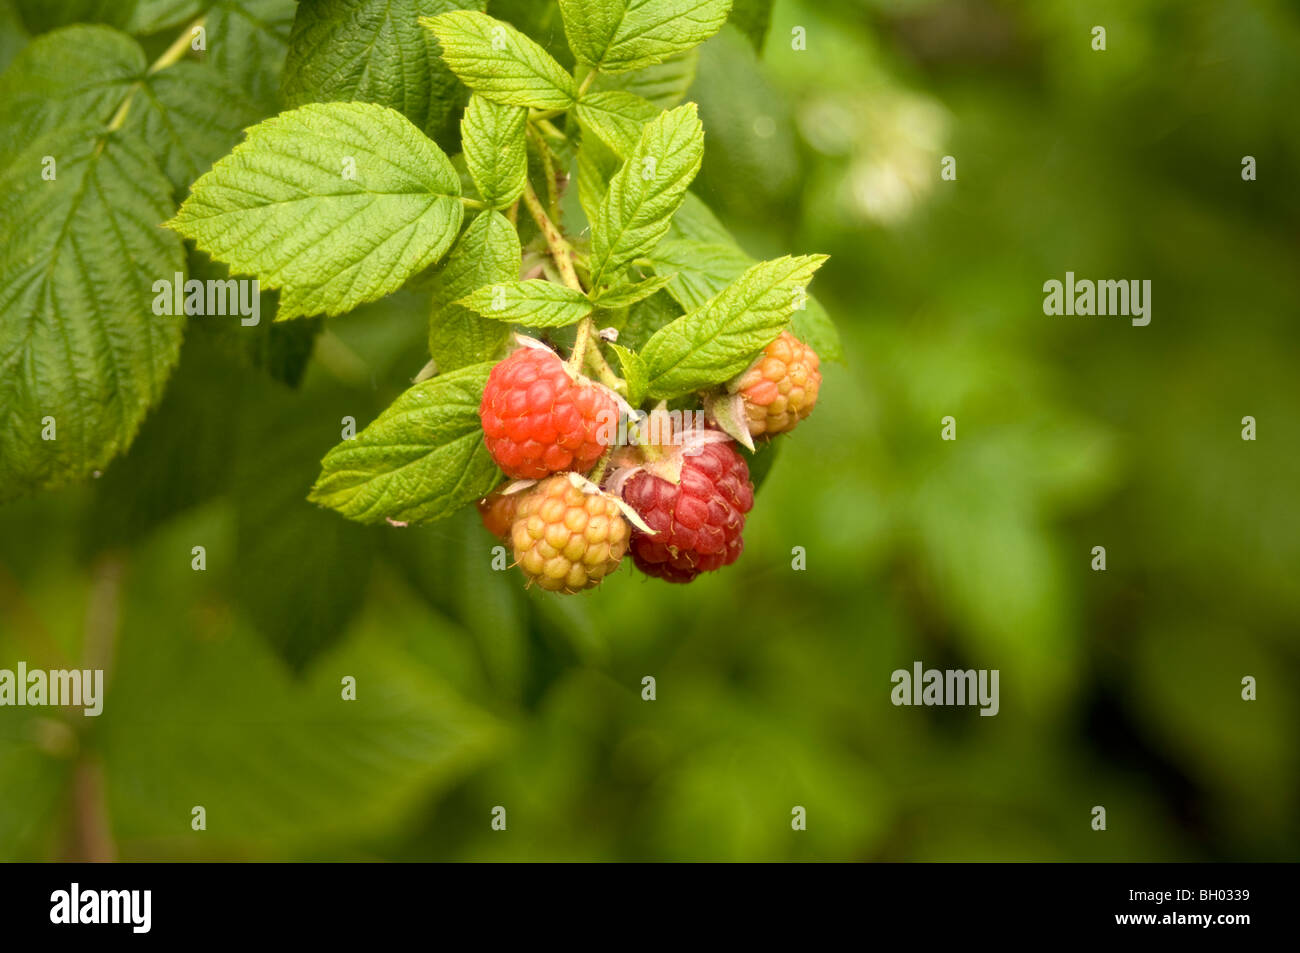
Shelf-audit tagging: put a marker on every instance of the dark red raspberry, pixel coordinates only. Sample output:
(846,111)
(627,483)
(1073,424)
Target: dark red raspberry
(698,520)
(537,420)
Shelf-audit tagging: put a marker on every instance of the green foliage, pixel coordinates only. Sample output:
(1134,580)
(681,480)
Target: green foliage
(492,136)
(421,460)
(643,195)
(486,253)
(618,36)
(373,51)
(718,340)
(496,60)
(282,206)
(533,303)
(81,347)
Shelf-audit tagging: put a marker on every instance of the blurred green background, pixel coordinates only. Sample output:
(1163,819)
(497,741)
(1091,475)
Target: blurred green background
(1118,688)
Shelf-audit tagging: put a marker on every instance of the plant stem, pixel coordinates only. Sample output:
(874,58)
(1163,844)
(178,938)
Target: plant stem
(596,361)
(548,167)
(586,331)
(170,57)
(602,464)
(587,81)
(561,251)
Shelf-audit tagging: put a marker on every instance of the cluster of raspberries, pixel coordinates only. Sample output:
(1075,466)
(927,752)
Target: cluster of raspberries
(679,504)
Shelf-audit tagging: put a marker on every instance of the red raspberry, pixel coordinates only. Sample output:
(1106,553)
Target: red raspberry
(780,387)
(566,539)
(537,420)
(698,520)
(497,511)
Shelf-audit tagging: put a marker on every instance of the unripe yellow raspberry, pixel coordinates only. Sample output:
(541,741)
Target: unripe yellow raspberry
(780,387)
(566,539)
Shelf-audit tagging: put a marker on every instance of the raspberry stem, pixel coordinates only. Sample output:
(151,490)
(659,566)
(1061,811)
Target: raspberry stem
(561,251)
(548,167)
(596,361)
(586,329)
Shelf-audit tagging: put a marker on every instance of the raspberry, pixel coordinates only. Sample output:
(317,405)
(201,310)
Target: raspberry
(537,420)
(497,511)
(566,539)
(698,520)
(780,387)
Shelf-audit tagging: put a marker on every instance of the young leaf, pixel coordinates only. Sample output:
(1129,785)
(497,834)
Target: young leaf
(534,303)
(492,137)
(663,85)
(617,36)
(700,270)
(616,117)
(373,51)
(634,373)
(645,192)
(487,253)
(420,460)
(626,295)
(335,204)
(718,340)
(496,60)
(83,356)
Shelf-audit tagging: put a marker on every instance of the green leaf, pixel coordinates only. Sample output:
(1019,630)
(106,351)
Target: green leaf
(616,117)
(646,317)
(626,295)
(487,252)
(534,303)
(190,114)
(643,195)
(247,40)
(539,21)
(153,16)
(496,152)
(66,77)
(701,269)
(597,164)
(664,85)
(718,340)
(752,18)
(374,51)
(634,372)
(420,460)
(618,36)
(496,60)
(283,206)
(80,342)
